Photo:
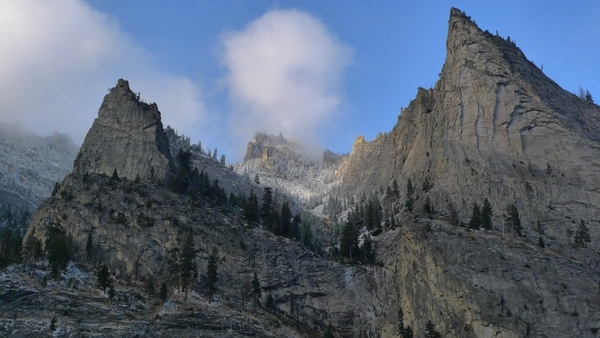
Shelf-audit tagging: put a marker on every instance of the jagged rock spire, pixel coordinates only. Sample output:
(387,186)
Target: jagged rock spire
(127,136)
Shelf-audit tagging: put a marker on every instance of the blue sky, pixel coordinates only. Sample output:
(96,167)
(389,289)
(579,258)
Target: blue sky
(321,71)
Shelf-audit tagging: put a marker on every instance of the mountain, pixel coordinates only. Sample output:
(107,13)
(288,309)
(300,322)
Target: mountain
(493,128)
(304,172)
(30,165)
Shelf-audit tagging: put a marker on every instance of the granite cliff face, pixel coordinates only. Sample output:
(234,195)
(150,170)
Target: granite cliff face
(127,136)
(494,126)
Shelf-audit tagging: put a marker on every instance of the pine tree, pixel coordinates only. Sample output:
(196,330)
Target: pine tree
(428,208)
(150,286)
(430,331)
(163,292)
(409,199)
(173,266)
(58,248)
(329,332)
(266,207)
(256,292)
(211,273)
(582,236)
(89,246)
(475,221)
(513,221)
(188,263)
(486,215)
(111,292)
(115,176)
(453,215)
(541,242)
(251,208)
(286,221)
(102,278)
(270,304)
(349,241)
(367,253)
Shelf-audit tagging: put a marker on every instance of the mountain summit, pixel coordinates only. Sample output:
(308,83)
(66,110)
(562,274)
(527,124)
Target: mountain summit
(494,126)
(127,136)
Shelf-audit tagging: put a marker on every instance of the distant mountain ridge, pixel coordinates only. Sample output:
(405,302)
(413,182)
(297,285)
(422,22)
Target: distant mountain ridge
(30,165)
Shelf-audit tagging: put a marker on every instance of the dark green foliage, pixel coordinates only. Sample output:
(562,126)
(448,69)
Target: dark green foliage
(430,331)
(373,212)
(256,292)
(270,304)
(163,292)
(513,221)
(10,246)
(453,215)
(486,215)
(211,273)
(582,236)
(285,228)
(150,289)
(251,208)
(32,249)
(89,246)
(349,241)
(404,331)
(408,204)
(58,249)
(53,324)
(188,263)
(115,176)
(173,266)
(111,292)
(475,221)
(266,206)
(329,332)
(428,208)
(55,189)
(102,278)
(367,252)
(541,242)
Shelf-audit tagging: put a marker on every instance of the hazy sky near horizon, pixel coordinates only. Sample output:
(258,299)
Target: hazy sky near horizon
(321,71)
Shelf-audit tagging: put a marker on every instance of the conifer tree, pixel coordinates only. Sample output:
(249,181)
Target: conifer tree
(475,221)
(102,278)
(428,208)
(188,263)
(58,248)
(486,215)
(89,246)
(211,273)
(256,292)
(513,221)
(409,199)
(582,236)
(163,292)
(430,331)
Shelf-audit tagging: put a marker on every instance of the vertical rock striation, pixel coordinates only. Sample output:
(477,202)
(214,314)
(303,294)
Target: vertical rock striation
(127,136)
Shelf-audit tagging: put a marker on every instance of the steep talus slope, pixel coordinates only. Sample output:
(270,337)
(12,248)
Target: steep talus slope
(138,144)
(494,126)
(30,165)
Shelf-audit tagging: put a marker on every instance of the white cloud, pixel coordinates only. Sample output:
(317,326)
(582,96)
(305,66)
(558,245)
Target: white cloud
(60,56)
(284,75)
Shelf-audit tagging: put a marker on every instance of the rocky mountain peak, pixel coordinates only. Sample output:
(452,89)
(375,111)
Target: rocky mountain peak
(127,136)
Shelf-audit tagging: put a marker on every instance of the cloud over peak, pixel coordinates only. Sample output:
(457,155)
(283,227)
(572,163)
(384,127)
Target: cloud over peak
(284,75)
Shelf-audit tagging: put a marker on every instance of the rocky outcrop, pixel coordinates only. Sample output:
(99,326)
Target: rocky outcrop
(127,136)
(494,126)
